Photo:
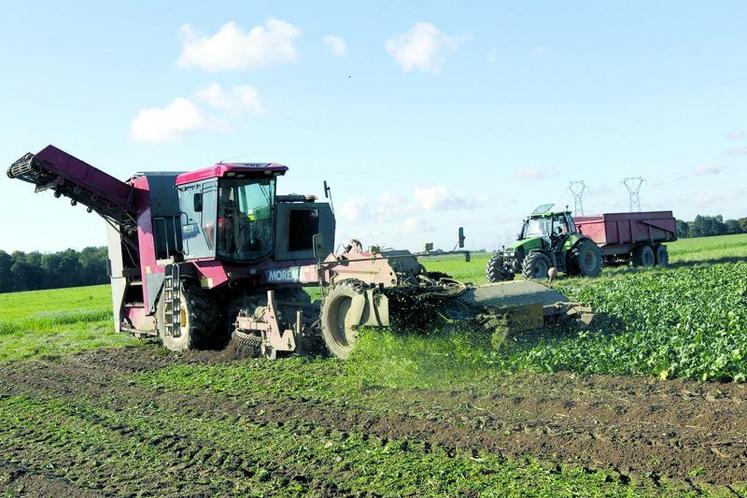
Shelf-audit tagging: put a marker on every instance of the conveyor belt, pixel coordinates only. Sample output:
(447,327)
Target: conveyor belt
(68,176)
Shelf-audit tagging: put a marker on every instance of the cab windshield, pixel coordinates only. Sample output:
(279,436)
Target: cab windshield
(558,224)
(536,227)
(245,219)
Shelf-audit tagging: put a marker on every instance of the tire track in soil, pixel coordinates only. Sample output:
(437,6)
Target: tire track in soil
(187,457)
(18,480)
(630,425)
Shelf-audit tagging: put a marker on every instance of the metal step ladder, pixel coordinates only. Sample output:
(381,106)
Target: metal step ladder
(171,301)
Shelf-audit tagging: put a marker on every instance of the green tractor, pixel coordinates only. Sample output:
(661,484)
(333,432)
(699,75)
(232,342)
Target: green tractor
(548,239)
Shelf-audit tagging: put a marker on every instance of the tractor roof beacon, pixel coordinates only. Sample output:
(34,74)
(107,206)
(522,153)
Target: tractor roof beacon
(548,239)
(197,258)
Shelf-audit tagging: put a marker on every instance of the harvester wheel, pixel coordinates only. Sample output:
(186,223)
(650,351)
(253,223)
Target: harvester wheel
(495,271)
(586,258)
(340,317)
(197,316)
(662,256)
(644,256)
(536,265)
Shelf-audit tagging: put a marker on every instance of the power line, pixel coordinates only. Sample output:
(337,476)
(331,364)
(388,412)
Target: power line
(633,184)
(578,188)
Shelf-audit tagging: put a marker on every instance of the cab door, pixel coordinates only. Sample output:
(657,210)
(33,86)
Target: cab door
(197,217)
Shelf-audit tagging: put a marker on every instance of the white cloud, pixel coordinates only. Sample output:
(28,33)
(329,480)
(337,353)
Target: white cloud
(423,47)
(702,199)
(354,210)
(336,45)
(438,197)
(738,152)
(707,169)
(392,205)
(172,122)
(534,173)
(231,48)
(736,135)
(416,225)
(234,100)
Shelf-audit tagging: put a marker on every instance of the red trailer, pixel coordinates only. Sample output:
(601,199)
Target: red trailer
(631,237)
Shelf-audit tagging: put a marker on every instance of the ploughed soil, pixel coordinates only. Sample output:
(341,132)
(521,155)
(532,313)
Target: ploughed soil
(684,431)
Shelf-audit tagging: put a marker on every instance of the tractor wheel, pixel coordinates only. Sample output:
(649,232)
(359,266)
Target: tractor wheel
(586,259)
(644,256)
(495,271)
(198,319)
(338,317)
(536,265)
(662,256)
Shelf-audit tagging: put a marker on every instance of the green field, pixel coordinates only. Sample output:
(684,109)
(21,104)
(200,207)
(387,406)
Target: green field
(52,322)
(558,412)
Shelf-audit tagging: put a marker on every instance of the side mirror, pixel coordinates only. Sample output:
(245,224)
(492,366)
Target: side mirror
(198,203)
(318,242)
(326,190)
(428,246)
(461,237)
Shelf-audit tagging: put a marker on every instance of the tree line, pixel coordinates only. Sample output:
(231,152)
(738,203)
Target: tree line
(20,271)
(705,226)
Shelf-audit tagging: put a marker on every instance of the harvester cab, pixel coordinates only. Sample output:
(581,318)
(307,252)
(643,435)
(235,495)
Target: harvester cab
(198,258)
(548,239)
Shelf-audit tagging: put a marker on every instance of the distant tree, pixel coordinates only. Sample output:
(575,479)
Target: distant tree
(27,271)
(51,266)
(93,263)
(20,272)
(683,229)
(70,269)
(743,224)
(704,226)
(6,261)
(732,226)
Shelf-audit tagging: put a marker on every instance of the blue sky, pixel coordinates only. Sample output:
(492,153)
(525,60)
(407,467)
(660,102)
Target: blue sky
(423,116)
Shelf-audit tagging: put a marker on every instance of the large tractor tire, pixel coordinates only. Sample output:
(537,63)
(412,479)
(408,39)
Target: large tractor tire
(495,271)
(586,259)
(339,318)
(662,256)
(644,256)
(536,266)
(199,320)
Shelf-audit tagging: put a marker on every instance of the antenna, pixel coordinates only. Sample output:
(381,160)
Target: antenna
(633,184)
(578,188)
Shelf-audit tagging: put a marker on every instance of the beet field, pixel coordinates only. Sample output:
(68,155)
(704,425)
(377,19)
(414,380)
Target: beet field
(650,401)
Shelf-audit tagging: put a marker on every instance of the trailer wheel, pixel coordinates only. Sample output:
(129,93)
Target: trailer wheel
(662,256)
(536,265)
(586,259)
(644,256)
(495,271)
(198,319)
(339,314)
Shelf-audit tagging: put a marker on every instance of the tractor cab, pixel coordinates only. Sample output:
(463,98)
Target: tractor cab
(546,228)
(231,212)
(227,210)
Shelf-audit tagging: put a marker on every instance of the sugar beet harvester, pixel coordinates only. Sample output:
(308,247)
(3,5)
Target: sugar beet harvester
(198,257)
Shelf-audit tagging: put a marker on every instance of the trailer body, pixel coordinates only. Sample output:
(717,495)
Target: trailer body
(636,237)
